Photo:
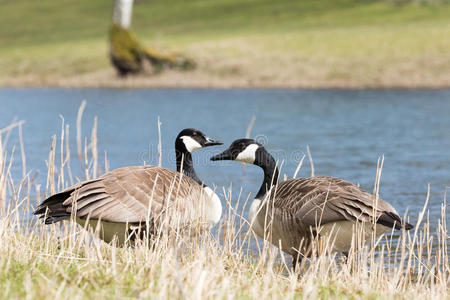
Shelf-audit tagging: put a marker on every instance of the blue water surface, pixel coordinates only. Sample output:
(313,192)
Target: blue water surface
(347,131)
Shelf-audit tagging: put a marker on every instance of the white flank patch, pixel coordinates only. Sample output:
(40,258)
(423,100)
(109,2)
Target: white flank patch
(253,219)
(213,206)
(254,209)
(190,143)
(248,155)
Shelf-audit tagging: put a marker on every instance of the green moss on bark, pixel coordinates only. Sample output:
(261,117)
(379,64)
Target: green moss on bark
(127,54)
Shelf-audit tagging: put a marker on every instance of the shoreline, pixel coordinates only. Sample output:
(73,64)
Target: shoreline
(199,80)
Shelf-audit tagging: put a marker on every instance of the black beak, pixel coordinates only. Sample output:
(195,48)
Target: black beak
(211,142)
(225,155)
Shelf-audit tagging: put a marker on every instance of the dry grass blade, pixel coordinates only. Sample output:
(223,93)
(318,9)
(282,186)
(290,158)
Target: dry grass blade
(247,135)
(159,144)
(299,166)
(310,161)
(93,147)
(79,118)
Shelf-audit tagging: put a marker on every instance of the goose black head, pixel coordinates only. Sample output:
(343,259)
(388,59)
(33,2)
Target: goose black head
(191,139)
(243,150)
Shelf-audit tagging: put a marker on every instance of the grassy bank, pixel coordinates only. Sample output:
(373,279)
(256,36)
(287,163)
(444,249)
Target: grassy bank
(343,43)
(61,261)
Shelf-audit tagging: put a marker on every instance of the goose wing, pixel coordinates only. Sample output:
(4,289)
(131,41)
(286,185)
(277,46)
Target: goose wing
(323,199)
(129,194)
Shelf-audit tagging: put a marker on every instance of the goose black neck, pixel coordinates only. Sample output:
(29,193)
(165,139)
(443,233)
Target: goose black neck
(266,161)
(185,164)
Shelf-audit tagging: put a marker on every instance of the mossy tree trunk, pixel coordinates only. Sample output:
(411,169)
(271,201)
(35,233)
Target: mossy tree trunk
(127,53)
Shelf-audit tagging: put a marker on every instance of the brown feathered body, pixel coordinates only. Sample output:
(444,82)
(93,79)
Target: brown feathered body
(128,200)
(296,211)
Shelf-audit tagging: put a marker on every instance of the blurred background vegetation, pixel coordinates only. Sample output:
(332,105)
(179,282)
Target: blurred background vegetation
(310,43)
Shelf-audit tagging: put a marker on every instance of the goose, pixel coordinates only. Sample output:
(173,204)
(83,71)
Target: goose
(133,199)
(300,209)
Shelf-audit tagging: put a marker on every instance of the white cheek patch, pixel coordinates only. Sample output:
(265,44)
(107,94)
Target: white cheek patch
(248,155)
(190,143)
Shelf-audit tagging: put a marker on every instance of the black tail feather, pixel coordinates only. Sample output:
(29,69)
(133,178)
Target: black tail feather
(51,220)
(52,209)
(392,220)
(408,226)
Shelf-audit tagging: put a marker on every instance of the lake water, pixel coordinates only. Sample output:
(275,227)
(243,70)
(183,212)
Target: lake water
(347,131)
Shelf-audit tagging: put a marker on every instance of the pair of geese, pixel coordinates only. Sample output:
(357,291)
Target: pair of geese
(139,198)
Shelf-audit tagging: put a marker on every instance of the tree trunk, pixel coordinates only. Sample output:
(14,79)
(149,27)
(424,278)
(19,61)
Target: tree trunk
(127,53)
(122,13)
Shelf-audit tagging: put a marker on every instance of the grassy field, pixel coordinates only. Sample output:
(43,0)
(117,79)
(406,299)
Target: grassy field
(63,260)
(327,43)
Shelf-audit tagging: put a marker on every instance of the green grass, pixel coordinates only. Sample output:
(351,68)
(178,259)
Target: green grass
(301,43)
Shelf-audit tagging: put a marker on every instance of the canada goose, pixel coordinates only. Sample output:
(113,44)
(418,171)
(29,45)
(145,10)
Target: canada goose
(304,207)
(139,198)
